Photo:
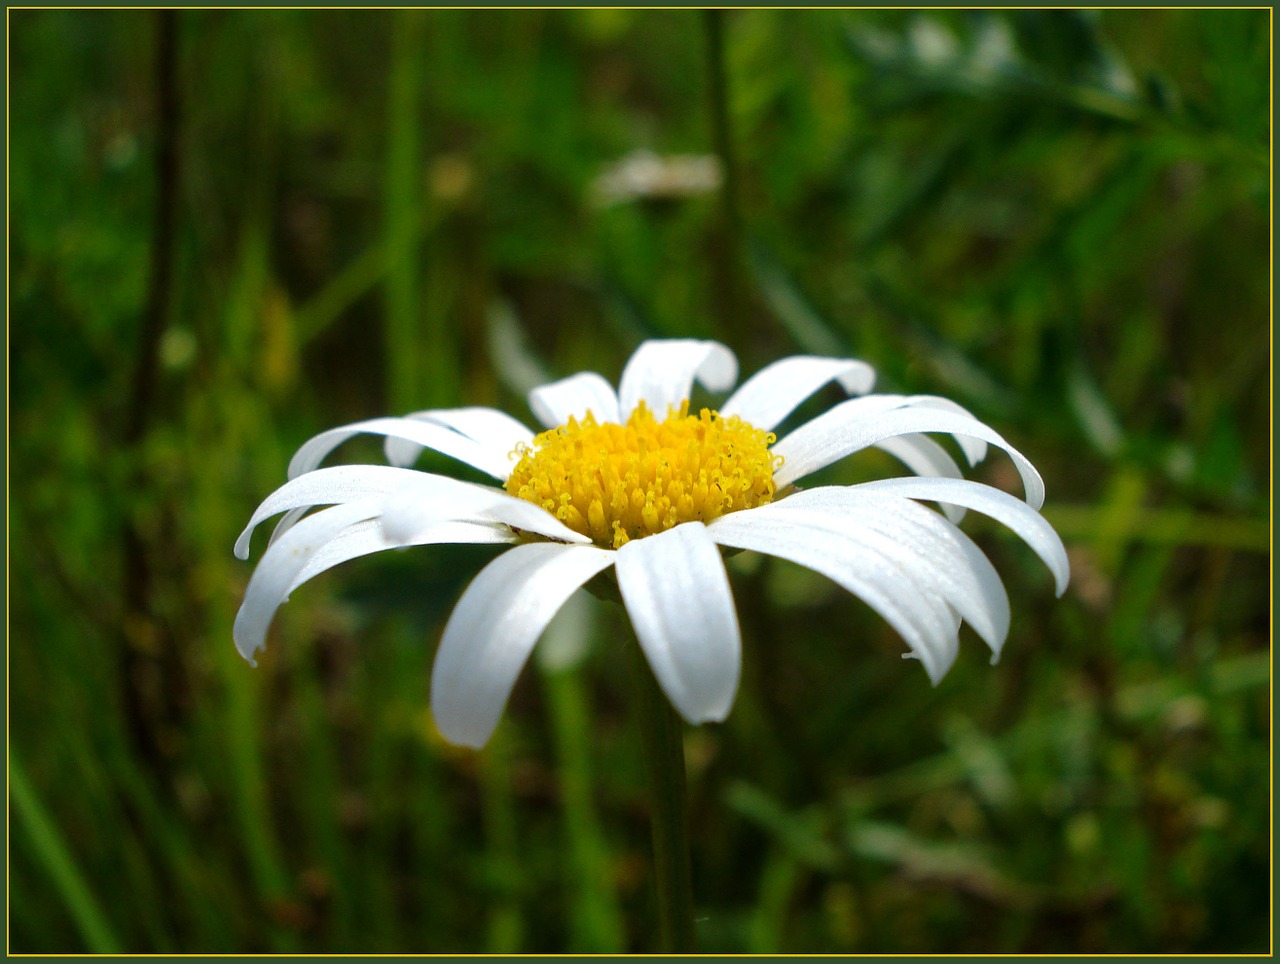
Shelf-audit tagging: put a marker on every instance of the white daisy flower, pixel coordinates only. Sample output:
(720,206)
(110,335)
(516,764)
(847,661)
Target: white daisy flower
(635,481)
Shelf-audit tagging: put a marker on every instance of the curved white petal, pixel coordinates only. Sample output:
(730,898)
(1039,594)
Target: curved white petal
(288,556)
(773,393)
(1028,524)
(975,449)
(661,373)
(433,499)
(924,622)
(923,456)
(493,429)
(933,550)
(367,537)
(677,595)
(843,431)
(487,458)
(493,629)
(331,486)
(575,396)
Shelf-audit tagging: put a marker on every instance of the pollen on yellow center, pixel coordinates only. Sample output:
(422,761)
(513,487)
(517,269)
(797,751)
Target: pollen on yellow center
(614,483)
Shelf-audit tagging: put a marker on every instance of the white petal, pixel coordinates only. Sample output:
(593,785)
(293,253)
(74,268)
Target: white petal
(488,458)
(933,550)
(677,595)
(340,483)
(843,431)
(1001,506)
(368,537)
(923,456)
(575,396)
(494,430)
(773,393)
(661,373)
(975,450)
(922,621)
(493,629)
(433,499)
(270,582)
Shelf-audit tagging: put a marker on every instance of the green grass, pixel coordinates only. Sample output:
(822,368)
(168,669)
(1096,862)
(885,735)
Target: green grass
(1059,219)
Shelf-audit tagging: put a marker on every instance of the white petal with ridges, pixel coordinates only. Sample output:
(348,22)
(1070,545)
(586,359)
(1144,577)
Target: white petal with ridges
(434,499)
(925,624)
(844,430)
(488,458)
(494,628)
(575,396)
(661,373)
(677,595)
(287,557)
(368,537)
(930,548)
(923,456)
(1006,509)
(331,486)
(773,393)
(975,449)
(494,430)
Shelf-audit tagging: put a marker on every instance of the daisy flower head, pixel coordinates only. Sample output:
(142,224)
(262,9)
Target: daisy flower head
(636,481)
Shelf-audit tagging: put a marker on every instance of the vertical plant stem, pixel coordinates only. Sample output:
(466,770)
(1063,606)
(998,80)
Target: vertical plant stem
(506,925)
(151,670)
(660,733)
(595,921)
(726,261)
(403,200)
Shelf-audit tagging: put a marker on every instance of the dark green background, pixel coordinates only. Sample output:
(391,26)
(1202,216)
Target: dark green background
(1058,219)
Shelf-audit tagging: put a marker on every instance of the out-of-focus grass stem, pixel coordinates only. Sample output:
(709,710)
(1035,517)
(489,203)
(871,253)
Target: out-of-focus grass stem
(727,255)
(402,203)
(506,928)
(53,852)
(662,739)
(595,920)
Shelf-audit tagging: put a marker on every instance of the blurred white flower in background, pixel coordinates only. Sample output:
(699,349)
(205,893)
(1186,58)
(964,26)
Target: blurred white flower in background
(644,175)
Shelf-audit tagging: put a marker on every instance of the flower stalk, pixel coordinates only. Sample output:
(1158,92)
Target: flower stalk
(663,745)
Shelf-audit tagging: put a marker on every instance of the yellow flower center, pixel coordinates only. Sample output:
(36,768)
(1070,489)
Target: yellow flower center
(614,483)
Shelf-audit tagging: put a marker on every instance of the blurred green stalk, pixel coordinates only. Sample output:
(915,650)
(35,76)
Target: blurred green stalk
(595,919)
(506,927)
(726,262)
(663,743)
(403,201)
(53,852)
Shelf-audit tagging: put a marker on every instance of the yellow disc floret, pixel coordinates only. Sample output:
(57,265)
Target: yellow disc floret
(614,483)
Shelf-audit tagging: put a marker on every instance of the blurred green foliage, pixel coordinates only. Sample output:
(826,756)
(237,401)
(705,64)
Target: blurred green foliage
(1058,218)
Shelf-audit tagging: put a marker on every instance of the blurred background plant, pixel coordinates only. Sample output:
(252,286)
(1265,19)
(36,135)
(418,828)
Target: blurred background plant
(230,230)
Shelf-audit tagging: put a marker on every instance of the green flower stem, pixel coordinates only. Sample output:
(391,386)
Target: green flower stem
(726,264)
(660,732)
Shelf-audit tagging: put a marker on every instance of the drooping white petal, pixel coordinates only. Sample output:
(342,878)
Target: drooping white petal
(844,430)
(488,458)
(575,396)
(331,486)
(933,550)
(975,449)
(773,393)
(923,456)
(288,556)
(661,373)
(677,595)
(368,537)
(924,622)
(433,499)
(1028,524)
(495,430)
(493,629)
